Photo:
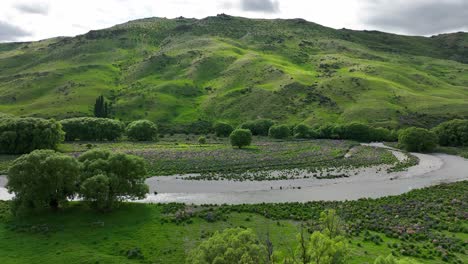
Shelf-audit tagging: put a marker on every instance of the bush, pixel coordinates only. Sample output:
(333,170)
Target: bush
(356,131)
(417,139)
(199,127)
(240,138)
(92,129)
(109,178)
(233,245)
(222,129)
(201,140)
(142,130)
(279,131)
(453,133)
(23,135)
(43,178)
(328,131)
(382,134)
(259,127)
(304,131)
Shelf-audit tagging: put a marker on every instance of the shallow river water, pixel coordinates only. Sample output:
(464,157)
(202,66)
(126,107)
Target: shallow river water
(370,182)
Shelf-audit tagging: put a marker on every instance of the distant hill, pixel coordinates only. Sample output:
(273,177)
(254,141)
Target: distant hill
(235,69)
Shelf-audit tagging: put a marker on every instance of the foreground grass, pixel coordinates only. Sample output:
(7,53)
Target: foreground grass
(418,224)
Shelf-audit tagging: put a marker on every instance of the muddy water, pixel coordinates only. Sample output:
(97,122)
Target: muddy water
(370,182)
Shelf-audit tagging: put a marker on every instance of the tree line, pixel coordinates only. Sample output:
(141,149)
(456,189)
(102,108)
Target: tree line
(22,135)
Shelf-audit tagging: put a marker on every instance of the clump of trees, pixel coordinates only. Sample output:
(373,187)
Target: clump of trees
(356,131)
(417,139)
(101,108)
(23,135)
(92,129)
(235,245)
(108,178)
(279,131)
(259,127)
(45,178)
(453,133)
(222,129)
(241,138)
(142,130)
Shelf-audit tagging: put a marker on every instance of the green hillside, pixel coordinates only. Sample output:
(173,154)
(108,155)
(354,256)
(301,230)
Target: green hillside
(236,69)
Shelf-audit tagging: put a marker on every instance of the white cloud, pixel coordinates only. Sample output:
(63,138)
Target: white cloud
(40,8)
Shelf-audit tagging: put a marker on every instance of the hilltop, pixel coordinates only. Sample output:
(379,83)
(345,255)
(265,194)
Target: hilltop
(178,71)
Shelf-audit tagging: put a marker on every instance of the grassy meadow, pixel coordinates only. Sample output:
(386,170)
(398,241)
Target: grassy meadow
(164,233)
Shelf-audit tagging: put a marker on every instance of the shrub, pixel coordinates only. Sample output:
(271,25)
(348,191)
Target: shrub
(328,131)
(356,131)
(382,134)
(304,131)
(233,245)
(109,178)
(23,135)
(222,129)
(417,139)
(240,138)
(199,127)
(92,129)
(43,178)
(258,127)
(453,133)
(279,131)
(142,130)
(201,140)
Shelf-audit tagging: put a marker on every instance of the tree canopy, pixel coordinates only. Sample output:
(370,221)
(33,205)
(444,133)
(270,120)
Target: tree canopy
(43,178)
(235,245)
(241,138)
(109,178)
(23,135)
(142,130)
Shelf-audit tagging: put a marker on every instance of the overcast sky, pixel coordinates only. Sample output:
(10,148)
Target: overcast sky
(23,20)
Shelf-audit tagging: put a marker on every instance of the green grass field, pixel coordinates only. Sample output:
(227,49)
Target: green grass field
(165,233)
(176,71)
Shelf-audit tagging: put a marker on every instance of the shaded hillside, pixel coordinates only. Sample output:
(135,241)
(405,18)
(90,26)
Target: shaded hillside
(235,69)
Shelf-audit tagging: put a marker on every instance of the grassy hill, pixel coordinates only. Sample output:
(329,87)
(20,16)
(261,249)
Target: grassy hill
(236,69)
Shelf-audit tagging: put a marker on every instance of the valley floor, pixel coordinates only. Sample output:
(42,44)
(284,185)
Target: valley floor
(428,224)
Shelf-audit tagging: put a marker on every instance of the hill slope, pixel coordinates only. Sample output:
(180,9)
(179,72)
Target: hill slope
(235,69)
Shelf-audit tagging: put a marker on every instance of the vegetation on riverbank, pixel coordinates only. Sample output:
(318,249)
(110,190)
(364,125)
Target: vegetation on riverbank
(181,154)
(429,225)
